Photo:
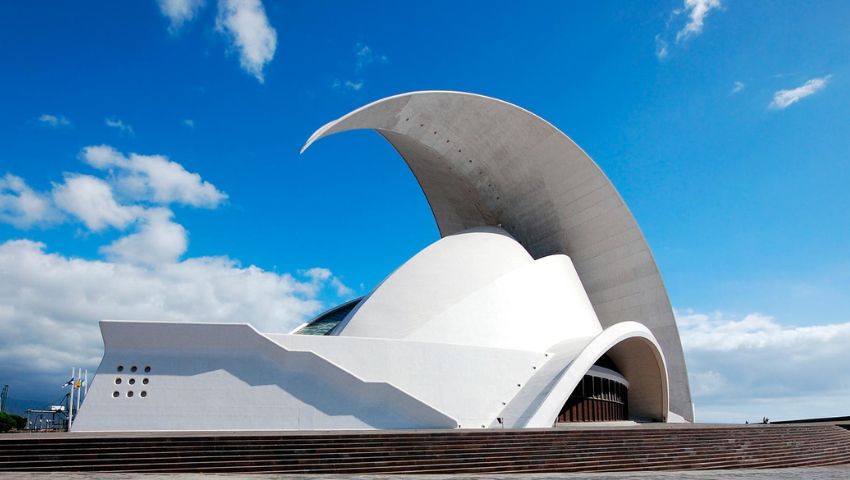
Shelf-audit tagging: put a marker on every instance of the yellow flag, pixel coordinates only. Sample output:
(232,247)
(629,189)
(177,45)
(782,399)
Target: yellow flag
(79,382)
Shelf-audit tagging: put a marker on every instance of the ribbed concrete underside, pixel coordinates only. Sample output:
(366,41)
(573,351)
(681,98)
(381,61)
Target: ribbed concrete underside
(507,451)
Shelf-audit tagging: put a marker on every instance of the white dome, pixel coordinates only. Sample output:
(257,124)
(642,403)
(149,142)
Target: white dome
(478,287)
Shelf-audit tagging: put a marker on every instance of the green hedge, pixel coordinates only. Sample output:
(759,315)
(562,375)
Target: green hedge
(9,422)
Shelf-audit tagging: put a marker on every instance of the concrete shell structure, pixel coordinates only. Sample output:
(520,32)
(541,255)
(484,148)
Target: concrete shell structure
(541,303)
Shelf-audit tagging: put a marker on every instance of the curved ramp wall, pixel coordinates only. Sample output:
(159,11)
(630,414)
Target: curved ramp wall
(231,377)
(485,162)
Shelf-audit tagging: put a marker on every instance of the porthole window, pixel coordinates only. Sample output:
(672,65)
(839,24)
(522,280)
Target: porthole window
(118,381)
(134,368)
(145,381)
(148,369)
(115,394)
(130,393)
(144,394)
(120,368)
(132,381)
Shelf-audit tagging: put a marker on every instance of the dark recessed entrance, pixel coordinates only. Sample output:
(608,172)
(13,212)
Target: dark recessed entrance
(599,397)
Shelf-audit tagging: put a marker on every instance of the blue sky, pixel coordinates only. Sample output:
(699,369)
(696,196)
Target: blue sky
(722,123)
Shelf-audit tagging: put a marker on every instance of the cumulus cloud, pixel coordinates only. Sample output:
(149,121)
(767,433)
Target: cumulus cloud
(90,199)
(320,275)
(135,184)
(179,12)
(754,366)
(158,241)
(697,11)
(783,99)
(119,125)
(21,206)
(54,120)
(245,24)
(50,304)
(342,290)
(153,178)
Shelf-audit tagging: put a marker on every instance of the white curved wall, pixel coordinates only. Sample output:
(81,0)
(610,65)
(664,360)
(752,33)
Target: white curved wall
(482,161)
(478,287)
(469,384)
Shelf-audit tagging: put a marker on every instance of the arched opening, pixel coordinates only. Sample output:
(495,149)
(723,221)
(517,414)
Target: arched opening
(628,382)
(602,395)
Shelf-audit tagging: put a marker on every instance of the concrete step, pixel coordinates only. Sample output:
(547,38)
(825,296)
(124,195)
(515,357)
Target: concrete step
(562,450)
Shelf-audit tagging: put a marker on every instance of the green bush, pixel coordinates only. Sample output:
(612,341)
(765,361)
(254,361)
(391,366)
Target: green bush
(20,422)
(10,421)
(6,422)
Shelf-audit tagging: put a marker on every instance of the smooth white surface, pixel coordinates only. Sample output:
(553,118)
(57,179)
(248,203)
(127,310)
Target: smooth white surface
(632,347)
(231,377)
(431,352)
(541,270)
(484,162)
(478,287)
(468,384)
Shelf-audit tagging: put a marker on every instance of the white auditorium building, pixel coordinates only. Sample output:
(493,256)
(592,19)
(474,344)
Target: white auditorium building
(540,304)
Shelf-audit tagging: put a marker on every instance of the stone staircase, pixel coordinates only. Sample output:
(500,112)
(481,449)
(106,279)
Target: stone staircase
(486,451)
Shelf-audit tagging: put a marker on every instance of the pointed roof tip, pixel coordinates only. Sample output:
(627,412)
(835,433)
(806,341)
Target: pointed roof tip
(325,129)
(318,134)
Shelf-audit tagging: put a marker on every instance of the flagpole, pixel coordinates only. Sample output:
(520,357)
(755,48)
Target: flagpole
(78,385)
(71,403)
(87,382)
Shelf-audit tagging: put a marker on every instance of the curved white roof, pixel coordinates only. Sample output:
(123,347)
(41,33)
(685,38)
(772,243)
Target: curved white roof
(485,162)
(479,287)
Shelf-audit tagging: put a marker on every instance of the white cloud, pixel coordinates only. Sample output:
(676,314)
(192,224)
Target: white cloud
(22,207)
(746,368)
(319,275)
(54,120)
(91,200)
(245,24)
(737,87)
(119,125)
(364,55)
(188,123)
(352,85)
(113,202)
(179,12)
(661,50)
(50,305)
(785,98)
(697,10)
(153,178)
(158,240)
(342,290)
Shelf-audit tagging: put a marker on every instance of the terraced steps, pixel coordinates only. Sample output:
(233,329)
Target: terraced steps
(486,451)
